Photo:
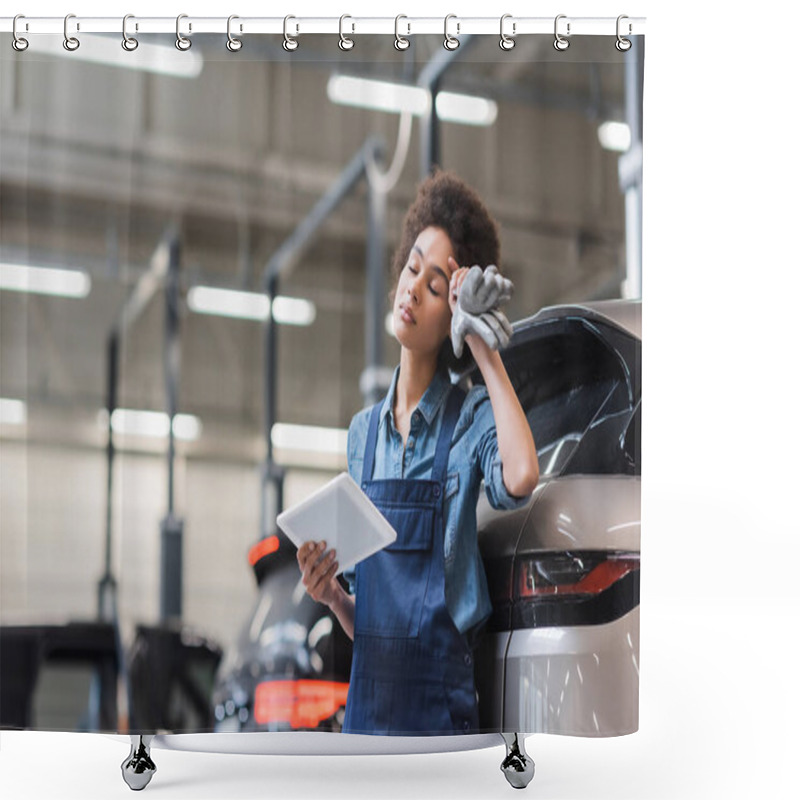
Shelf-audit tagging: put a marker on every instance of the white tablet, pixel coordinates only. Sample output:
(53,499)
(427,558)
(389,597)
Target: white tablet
(341,514)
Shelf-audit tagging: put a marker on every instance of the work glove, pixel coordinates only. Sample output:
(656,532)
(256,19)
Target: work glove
(484,289)
(476,309)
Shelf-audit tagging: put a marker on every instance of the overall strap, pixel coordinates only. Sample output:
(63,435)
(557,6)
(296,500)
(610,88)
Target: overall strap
(372,439)
(452,410)
(439,470)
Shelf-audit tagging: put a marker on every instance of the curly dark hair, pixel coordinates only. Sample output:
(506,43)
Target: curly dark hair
(444,201)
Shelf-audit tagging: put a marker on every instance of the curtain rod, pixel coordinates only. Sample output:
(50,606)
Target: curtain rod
(453,25)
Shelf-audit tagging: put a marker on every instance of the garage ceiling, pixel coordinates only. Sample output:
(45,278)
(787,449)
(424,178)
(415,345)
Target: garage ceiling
(97,161)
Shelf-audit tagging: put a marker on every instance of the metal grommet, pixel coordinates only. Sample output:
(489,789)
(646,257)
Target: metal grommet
(128,42)
(233,44)
(19,44)
(560,42)
(70,42)
(344,42)
(400,42)
(507,42)
(181,42)
(450,42)
(623,44)
(290,44)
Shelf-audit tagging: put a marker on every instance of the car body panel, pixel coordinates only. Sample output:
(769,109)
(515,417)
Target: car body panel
(587,512)
(574,680)
(500,529)
(570,680)
(626,314)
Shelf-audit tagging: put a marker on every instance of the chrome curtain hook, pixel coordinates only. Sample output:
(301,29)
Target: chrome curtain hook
(233,44)
(181,42)
(344,42)
(70,42)
(19,44)
(560,42)
(507,42)
(451,42)
(400,42)
(128,42)
(290,43)
(623,44)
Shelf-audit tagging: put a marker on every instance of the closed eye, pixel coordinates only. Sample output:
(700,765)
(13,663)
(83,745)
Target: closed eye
(441,283)
(414,272)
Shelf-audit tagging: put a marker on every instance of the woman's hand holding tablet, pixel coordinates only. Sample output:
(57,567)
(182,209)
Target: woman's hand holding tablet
(319,571)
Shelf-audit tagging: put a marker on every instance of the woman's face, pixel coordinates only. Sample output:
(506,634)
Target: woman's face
(421,313)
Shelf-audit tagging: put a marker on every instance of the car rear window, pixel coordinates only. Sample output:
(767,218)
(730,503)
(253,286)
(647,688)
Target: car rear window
(577,383)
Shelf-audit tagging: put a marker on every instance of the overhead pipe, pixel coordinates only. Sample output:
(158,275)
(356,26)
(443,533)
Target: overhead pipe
(146,288)
(430,78)
(171,525)
(165,255)
(280,264)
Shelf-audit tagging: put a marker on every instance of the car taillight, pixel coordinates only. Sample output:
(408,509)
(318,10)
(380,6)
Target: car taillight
(571,573)
(301,703)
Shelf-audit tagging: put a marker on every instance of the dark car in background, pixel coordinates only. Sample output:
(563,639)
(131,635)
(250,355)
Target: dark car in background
(290,666)
(560,652)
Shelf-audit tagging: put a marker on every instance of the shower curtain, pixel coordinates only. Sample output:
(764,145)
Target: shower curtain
(196,244)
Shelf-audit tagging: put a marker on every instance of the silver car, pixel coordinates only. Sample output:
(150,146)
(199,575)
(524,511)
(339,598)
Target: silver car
(561,650)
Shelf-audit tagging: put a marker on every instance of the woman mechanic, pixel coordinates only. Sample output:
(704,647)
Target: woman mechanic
(415,609)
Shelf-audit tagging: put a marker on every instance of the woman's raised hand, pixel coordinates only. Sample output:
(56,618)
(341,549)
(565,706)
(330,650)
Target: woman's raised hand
(478,290)
(475,295)
(319,571)
(457,277)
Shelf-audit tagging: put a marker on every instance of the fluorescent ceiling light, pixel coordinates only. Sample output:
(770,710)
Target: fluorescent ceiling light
(45,280)
(378,95)
(148,56)
(309,438)
(398,98)
(614,136)
(250,305)
(466,109)
(186,427)
(228,303)
(13,412)
(131,422)
(294,311)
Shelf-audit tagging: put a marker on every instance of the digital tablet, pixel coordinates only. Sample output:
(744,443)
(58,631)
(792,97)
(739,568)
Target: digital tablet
(341,514)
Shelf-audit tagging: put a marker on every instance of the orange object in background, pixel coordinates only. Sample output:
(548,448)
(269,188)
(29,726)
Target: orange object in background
(263,548)
(303,703)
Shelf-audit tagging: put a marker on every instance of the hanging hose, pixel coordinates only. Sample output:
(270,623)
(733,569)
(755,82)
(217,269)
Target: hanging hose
(384,182)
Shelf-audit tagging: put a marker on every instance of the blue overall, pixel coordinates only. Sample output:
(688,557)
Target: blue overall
(412,671)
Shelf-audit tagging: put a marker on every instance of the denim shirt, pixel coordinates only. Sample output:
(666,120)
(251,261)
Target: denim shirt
(473,456)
